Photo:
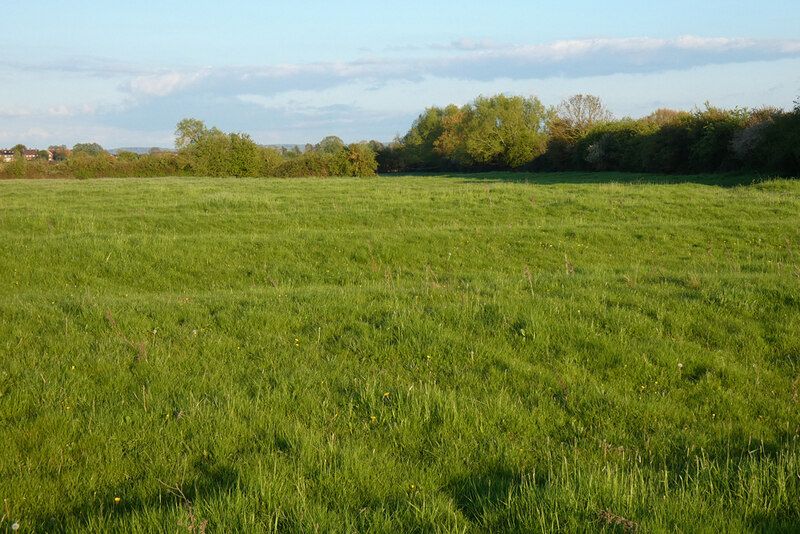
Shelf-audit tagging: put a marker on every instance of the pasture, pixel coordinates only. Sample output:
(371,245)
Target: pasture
(467,353)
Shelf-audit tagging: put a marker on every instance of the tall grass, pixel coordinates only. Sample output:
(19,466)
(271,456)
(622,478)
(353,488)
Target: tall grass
(460,354)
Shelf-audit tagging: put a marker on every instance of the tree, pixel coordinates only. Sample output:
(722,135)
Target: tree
(419,144)
(581,112)
(243,156)
(215,153)
(663,116)
(330,145)
(60,152)
(90,149)
(497,131)
(270,159)
(188,132)
(357,159)
(452,141)
(17,166)
(127,156)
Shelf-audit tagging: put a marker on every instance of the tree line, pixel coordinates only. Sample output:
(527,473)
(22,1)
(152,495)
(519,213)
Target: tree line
(580,134)
(489,133)
(201,151)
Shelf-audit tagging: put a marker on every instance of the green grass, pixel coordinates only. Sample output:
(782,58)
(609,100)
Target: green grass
(471,353)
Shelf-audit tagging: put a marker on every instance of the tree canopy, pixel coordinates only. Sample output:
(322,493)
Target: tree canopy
(89,149)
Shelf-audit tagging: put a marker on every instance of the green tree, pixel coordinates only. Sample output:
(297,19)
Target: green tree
(60,152)
(243,156)
(215,153)
(330,145)
(127,156)
(270,159)
(18,164)
(419,144)
(357,159)
(90,149)
(497,131)
(189,132)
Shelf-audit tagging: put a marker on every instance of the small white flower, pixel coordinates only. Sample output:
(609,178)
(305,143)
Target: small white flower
(680,366)
(15,526)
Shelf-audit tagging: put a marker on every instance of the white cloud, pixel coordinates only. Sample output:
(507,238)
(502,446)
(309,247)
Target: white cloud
(164,83)
(62,110)
(466,44)
(16,112)
(478,61)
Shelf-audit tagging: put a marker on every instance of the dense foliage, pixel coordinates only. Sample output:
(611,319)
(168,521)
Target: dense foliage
(502,133)
(201,151)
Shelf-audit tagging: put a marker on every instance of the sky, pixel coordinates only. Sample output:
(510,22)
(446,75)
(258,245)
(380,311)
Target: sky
(123,74)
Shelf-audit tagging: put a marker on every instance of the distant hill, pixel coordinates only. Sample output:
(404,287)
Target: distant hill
(147,149)
(139,149)
(287,147)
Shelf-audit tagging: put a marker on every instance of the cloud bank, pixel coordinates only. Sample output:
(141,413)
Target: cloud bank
(375,94)
(482,61)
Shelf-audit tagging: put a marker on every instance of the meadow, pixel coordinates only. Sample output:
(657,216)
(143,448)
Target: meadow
(455,353)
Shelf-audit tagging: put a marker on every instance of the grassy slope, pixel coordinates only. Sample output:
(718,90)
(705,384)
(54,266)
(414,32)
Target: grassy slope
(402,353)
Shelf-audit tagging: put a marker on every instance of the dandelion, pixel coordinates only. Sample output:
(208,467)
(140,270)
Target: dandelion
(15,526)
(117,499)
(386,395)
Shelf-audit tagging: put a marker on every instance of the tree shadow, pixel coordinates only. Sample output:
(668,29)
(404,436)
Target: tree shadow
(483,496)
(553,178)
(774,523)
(115,503)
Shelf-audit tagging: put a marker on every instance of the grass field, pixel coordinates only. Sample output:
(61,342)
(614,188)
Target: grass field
(514,352)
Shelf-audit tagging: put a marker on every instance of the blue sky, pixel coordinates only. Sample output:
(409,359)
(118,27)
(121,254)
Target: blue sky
(294,72)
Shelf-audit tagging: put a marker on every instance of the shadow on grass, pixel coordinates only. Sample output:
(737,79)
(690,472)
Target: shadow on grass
(774,523)
(209,478)
(486,496)
(552,178)
(479,494)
